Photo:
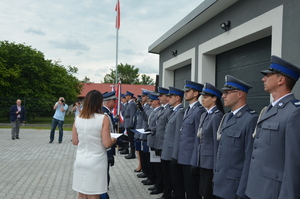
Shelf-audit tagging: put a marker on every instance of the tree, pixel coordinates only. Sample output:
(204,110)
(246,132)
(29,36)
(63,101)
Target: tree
(27,75)
(146,80)
(127,74)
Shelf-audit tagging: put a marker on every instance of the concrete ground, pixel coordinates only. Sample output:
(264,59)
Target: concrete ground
(31,168)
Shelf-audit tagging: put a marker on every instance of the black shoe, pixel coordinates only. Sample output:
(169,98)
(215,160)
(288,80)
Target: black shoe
(12,138)
(152,188)
(130,156)
(50,142)
(125,151)
(17,138)
(142,175)
(148,182)
(155,191)
(59,142)
(135,170)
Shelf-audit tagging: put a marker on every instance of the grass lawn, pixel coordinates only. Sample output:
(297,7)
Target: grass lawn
(69,119)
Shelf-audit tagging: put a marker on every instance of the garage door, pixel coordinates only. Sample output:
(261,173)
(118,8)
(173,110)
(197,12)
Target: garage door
(180,75)
(245,63)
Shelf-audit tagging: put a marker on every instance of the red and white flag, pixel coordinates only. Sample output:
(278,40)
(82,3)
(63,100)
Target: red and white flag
(117,107)
(118,17)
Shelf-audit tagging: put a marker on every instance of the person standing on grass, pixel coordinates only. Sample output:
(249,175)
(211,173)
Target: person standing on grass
(60,108)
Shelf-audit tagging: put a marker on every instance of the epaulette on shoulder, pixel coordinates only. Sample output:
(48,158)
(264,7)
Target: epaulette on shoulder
(251,111)
(217,111)
(181,109)
(296,102)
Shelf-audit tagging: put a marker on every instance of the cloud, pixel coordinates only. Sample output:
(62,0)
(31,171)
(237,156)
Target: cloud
(34,31)
(70,45)
(82,33)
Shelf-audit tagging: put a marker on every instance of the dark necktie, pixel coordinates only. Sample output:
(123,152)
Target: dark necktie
(187,110)
(269,107)
(230,116)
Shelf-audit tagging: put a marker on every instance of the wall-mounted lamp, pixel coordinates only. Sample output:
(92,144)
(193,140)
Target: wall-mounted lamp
(225,26)
(174,53)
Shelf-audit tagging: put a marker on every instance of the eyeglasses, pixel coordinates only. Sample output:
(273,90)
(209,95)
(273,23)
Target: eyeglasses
(228,92)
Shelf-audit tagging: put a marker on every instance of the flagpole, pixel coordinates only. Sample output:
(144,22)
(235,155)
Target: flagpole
(117,46)
(117,36)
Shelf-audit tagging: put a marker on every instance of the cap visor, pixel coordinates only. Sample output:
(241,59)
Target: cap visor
(264,72)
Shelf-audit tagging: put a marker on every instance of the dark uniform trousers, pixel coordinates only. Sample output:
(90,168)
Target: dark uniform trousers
(131,140)
(158,176)
(166,174)
(152,174)
(177,180)
(191,183)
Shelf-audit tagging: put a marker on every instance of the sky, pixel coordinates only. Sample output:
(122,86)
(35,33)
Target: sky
(82,33)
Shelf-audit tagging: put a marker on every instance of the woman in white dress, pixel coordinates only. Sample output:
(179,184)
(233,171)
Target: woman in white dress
(91,133)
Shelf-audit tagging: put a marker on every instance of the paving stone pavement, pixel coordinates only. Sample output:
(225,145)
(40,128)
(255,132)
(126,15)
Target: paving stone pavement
(31,168)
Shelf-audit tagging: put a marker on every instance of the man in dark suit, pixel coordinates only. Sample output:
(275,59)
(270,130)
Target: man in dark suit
(275,164)
(172,171)
(235,141)
(17,116)
(188,134)
(129,113)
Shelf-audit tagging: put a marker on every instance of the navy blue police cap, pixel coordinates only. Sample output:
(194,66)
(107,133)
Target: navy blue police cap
(153,96)
(175,91)
(145,92)
(123,95)
(279,65)
(209,89)
(192,85)
(162,90)
(109,96)
(232,83)
(129,93)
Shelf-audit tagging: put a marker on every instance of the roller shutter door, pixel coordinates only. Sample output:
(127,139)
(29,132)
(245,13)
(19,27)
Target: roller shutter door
(245,63)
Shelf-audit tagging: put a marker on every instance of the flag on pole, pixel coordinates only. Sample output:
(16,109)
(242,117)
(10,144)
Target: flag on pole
(117,9)
(117,111)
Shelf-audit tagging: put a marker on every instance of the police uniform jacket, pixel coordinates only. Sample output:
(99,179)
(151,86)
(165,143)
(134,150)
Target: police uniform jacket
(152,126)
(138,123)
(275,164)
(112,151)
(145,115)
(172,132)
(234,154)
(205,149)
(161,122)
(188,133)
(129,113)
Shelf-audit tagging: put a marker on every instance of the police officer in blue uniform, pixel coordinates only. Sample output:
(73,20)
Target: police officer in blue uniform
(129,114)
(108,105)
(172,171)
(153,96)
(145,110)
(206,144)
(235,146)
(161,121)
(188,135)
(275,164)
